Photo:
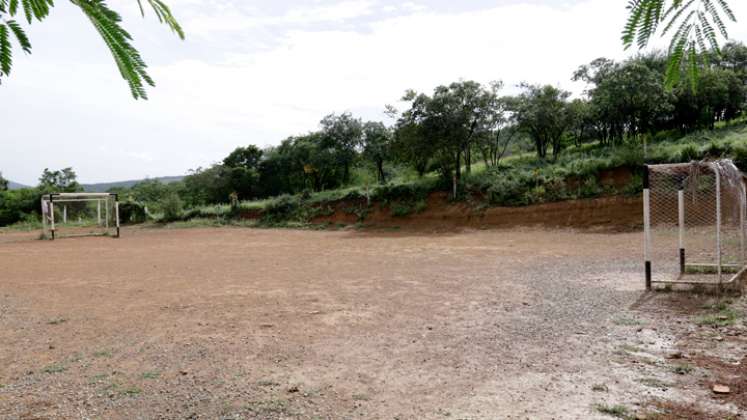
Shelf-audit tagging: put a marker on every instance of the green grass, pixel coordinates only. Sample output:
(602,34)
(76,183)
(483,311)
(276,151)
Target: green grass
(54,368)
(683,369)
(628,322)
(600,388)
(725,316)
(102,354)
(271,406)
(618,410)
(267,383)
(151,375)
(654,383)
(57,321)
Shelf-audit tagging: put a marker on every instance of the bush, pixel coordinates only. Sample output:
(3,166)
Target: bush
(282,209)
(132,212)
(172,208)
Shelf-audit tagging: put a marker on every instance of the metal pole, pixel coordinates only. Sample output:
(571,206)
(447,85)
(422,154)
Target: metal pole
(107,214)
(681,208)
(51,212)
(64,214)
(98,212)
(718,220)
(116,212)
(647,227)
(44,217)
(742,211)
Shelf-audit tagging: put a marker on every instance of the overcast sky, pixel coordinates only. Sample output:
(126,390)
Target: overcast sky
(257,71)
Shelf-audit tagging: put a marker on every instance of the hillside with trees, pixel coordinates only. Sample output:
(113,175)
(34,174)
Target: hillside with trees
(472,141)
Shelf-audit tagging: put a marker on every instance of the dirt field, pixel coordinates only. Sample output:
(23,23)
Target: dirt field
(246,323)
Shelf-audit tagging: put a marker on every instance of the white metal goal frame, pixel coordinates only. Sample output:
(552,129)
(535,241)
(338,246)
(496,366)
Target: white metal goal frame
(100,210)
(694,223)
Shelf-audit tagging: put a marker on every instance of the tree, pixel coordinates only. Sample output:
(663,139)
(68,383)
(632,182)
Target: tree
(447,124)
(694,25)
(377,146)
(411,146)
(3,183)
(542,113)
(247,157)
(627,99)
(494,145)
(107,23)
(64,180)
(343,133)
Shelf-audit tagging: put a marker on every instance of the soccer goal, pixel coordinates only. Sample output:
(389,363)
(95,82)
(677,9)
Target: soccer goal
(694,224)
(80,214)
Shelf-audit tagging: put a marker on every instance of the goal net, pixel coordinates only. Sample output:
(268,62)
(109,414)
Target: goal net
(694,223)
(79,214)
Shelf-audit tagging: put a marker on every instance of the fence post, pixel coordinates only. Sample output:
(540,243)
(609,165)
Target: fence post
(681,213)
(647,226)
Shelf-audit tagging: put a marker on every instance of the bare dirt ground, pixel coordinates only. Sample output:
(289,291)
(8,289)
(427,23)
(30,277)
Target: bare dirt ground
(269,324)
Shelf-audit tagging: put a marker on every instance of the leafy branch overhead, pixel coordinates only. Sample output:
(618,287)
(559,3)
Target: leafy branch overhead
(107,23)
(695,27)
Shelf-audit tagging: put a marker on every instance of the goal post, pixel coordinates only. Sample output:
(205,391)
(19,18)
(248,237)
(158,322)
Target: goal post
(694,223)
(80,214)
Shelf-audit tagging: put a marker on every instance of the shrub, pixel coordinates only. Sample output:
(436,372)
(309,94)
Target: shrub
(282,209)
(740,157)
(172,208)
(132,212)
(689,153)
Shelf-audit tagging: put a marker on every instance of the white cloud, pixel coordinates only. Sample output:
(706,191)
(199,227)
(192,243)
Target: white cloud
(309,73)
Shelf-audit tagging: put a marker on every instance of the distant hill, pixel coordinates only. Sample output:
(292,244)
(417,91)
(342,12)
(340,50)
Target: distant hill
(16,186)
(106,186)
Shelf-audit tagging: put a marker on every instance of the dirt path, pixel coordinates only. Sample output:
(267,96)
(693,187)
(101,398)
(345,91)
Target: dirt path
(243,323)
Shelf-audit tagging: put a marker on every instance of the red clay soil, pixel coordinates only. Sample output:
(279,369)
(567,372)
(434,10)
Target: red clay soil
(611,213)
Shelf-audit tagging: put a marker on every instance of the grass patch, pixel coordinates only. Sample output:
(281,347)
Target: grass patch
(600,388)
(57,321)
(131,391)
(98,378)
(54,368)
(683,369)
(102,354)
(267,383)
(724,316)
(116,388)
(619,411)
(151,375)
(361,397)
(654,383)
(630,348)
(628,322)
(274,406)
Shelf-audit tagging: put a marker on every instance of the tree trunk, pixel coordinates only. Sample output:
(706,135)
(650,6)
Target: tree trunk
(380,167)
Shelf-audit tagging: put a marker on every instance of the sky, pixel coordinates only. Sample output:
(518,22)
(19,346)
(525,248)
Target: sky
(258,71)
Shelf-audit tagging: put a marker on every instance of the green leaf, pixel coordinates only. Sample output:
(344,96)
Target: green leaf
(6,54)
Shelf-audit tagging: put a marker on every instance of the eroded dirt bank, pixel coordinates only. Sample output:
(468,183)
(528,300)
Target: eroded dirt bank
(613,213)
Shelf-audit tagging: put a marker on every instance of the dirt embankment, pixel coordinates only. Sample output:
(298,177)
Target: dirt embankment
(610,212)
